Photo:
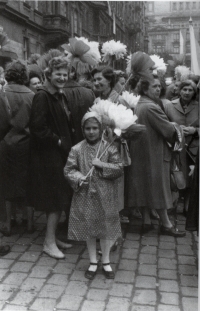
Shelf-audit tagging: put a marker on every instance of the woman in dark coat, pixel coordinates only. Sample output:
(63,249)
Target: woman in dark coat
(15,144)
(149,173)
(185,112)
(51,141)
(4,128)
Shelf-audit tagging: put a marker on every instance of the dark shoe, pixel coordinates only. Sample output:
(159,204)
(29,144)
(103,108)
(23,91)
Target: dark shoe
(24,222)
(124,219)
(13,223)
(108,274)
(4,250)
(172,232)
(4,230)
(147,227)
(154,214)
(114,246)
(136,213)
(91,274)
(184,212)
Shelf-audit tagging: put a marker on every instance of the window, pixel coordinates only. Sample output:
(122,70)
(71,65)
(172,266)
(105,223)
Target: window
(188,48)
(66,9)
(176,36)
(187,36)
(181,6)
(26,45)
(176,49)
(159,49)
(150,6)
(194,5)
(187,5)
(75,22)
(174,6)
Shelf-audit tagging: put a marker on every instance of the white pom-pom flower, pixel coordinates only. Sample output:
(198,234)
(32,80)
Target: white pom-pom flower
(159,63)
(182,72)
(130,98)
(111,48)
(119,114)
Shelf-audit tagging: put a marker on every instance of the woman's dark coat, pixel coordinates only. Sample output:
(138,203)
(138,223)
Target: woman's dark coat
(4,128)
(149,173)
(16,142)
(79,101)
(48,189)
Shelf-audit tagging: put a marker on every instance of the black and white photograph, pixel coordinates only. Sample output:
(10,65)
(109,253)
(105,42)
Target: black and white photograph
(99,155)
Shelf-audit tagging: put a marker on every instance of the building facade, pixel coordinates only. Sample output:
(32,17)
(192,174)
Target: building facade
(37,26)
(169,27)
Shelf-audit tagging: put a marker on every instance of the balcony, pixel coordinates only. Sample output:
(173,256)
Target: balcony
(55,22)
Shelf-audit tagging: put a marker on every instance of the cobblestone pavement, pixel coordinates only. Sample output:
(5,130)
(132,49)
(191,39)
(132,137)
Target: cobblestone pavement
(153,273)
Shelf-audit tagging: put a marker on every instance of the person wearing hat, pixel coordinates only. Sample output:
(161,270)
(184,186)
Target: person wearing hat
(94,210)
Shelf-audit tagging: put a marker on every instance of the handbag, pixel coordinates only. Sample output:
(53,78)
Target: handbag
(176,175)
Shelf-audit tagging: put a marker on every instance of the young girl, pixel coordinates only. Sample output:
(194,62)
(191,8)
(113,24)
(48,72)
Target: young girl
(94,210)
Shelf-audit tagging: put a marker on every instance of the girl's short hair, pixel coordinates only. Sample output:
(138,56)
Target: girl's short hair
(55,63)
(17,72)
(107,73)
(189,83)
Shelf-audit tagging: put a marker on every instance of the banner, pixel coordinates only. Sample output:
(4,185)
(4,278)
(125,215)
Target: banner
(114,24)
(195,51)
(109,9)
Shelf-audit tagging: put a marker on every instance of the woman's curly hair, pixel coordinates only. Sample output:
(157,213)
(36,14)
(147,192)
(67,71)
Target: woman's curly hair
(107,73)
(17,72)
(55,63)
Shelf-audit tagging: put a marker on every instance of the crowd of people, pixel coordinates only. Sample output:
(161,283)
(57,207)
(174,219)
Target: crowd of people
(49,141)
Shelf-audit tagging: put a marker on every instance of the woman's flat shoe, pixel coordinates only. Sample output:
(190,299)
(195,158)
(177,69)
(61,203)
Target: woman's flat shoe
(4,230)
(4,250)
(108,274)
(91,274)
(54,254)
(154,214)
(172,232)
(136,213)
(63,245)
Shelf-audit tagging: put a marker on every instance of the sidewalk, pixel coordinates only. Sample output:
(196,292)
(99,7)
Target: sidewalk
(153,273)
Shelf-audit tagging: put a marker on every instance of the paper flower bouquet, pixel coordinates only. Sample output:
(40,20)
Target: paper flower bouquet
(113,48)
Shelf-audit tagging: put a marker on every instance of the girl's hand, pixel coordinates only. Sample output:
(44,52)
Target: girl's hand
(97,163)
(83,181)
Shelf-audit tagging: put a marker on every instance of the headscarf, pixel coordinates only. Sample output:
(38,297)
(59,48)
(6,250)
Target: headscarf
(91,114)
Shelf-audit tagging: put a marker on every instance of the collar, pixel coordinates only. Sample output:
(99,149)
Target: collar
(51,89)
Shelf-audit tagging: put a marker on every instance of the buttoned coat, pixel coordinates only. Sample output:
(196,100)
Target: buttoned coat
(190,117)
(149,173)
(48,189)
(15,143)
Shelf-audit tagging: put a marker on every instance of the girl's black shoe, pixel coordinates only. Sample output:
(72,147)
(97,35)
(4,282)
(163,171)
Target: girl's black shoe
(91,274)
(108,274)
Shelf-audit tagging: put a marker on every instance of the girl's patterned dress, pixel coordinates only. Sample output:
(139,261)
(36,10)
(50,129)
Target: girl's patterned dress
(94,209)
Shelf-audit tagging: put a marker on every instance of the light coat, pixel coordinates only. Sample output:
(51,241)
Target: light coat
(149,173)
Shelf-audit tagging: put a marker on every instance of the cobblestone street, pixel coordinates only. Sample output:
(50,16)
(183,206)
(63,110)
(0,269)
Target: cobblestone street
(153,273)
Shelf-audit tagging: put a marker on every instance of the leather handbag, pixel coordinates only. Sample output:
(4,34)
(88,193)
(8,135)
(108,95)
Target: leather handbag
(177,177)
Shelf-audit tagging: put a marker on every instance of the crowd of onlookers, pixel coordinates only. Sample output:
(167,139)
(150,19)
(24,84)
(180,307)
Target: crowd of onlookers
(48,143)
